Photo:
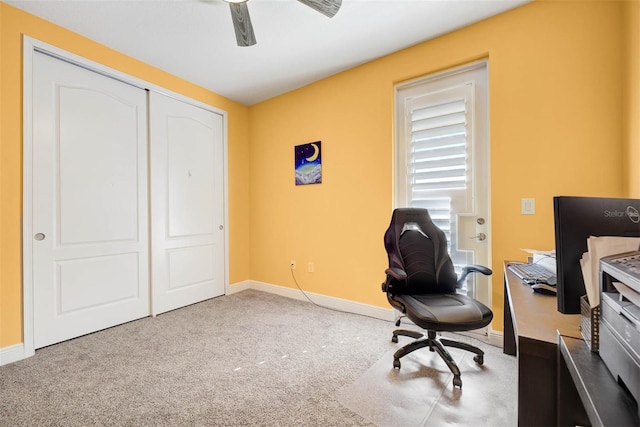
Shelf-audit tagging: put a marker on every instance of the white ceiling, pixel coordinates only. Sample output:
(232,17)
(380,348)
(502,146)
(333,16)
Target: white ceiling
(296,45)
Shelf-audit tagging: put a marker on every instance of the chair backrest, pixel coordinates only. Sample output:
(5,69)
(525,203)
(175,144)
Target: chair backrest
(417,246)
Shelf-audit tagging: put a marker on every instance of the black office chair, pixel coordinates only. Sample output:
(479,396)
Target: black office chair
(421,283)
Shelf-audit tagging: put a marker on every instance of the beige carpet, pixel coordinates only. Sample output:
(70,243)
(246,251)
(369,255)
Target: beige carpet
(248,359)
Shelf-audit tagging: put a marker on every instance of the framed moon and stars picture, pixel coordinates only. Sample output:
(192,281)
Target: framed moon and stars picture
(308,163)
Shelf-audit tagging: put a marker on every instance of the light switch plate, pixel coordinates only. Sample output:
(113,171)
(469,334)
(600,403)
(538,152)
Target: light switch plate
(528,206)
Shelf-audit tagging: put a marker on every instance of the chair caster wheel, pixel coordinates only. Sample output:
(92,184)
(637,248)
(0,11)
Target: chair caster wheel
(398,322)
(479,360)
(457,382)
(394,338)
(396,364)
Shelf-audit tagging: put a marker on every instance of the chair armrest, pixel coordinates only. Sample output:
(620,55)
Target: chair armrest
(394,275)
(466,270)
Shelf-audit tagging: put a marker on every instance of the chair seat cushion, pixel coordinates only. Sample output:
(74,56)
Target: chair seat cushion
(444,312)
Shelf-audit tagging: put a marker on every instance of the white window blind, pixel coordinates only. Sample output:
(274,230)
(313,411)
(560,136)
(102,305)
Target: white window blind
(438,159)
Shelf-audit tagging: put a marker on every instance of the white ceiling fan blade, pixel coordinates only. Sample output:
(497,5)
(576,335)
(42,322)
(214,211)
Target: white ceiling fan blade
(242,24)
(326,7)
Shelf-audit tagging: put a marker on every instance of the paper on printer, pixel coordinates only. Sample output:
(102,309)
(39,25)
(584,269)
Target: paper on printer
(599,247)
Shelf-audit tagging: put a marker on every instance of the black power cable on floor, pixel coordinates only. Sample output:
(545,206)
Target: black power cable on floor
(324,306)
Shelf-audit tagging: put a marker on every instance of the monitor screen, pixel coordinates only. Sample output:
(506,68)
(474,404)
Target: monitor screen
(577,218)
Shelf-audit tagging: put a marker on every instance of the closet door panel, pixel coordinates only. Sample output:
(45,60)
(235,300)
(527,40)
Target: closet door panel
(187,203)
(191,176)
(190,266)
(98,166)
(90,219)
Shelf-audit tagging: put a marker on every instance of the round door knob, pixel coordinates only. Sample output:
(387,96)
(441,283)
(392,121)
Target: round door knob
(39,236)
(221,227)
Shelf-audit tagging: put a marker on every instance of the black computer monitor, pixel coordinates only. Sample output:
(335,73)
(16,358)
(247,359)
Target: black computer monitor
(577,218)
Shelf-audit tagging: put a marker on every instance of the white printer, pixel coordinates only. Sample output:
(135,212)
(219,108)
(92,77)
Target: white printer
(620,319)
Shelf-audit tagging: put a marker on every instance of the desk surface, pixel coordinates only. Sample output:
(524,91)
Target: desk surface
(536,316)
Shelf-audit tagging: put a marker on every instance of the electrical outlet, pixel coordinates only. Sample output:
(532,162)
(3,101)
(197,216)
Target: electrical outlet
(292,264)
(310,267)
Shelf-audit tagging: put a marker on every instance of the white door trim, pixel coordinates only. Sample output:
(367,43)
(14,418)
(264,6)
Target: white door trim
(30,46)
(484,293)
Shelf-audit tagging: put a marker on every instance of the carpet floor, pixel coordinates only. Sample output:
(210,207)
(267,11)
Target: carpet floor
(251,358)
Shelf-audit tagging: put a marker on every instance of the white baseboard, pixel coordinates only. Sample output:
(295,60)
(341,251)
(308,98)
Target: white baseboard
(11,354)
(495,338)
(238,287)
(323,300)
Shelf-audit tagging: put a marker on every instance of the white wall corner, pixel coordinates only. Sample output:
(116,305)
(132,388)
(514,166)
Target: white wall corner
(238,287)
(496,338)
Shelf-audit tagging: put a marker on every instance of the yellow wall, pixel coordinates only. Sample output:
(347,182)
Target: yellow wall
(14,23)
(631,46)
(556,109)
(564,84)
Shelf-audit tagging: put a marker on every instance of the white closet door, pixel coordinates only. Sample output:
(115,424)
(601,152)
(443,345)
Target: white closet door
(187,171)
(90,216)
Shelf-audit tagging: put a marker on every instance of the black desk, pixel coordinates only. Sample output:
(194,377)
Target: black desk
(531,325)
(560,381)
(605,402)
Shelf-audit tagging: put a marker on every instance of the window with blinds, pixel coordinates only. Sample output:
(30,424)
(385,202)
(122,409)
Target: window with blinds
(437,158)
(442,160)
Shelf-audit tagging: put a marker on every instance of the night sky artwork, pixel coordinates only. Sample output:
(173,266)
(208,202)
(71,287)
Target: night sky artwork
(308,163)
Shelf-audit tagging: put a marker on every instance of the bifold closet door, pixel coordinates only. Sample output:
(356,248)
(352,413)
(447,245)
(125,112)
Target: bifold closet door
(187,203)
(90,219)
